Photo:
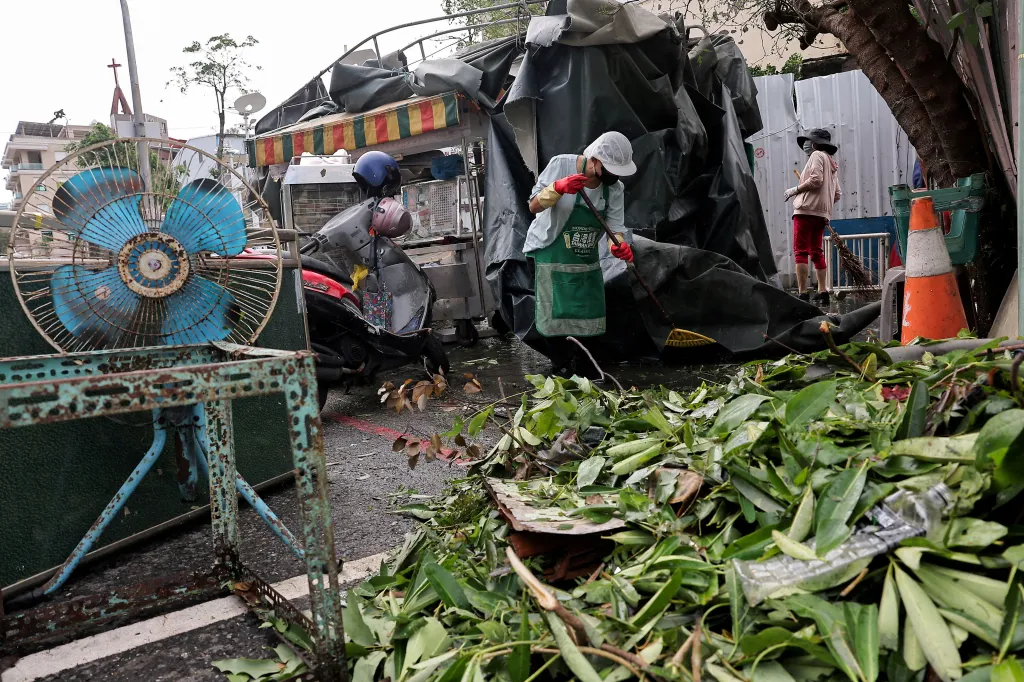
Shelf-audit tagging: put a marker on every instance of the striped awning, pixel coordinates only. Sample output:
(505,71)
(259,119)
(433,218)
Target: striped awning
(355,131)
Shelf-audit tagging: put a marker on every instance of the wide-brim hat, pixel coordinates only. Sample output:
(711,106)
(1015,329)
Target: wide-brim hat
(821,137)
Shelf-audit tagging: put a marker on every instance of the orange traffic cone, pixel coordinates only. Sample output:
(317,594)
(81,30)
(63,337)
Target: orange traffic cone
(932,308)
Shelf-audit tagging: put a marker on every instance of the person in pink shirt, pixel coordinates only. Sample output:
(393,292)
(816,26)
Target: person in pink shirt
(815,196)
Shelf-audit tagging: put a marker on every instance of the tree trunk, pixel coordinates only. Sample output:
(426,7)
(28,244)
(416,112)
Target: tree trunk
(906,106)
(880,70)
(936,82)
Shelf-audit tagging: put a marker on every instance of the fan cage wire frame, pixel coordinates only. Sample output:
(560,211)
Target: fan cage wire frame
(255,284)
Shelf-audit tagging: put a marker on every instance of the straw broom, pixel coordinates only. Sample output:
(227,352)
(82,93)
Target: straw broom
(851,265)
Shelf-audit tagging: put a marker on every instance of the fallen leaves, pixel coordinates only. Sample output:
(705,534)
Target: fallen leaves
(412,393)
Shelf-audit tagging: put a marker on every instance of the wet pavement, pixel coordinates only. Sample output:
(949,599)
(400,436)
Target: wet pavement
(364,474)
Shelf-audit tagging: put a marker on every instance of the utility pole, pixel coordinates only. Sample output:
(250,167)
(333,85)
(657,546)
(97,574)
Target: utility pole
(140,118)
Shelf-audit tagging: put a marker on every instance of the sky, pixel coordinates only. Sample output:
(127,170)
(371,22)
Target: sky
(57,52)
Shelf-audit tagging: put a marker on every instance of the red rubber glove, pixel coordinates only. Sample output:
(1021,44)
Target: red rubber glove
(570,185)
(623,252)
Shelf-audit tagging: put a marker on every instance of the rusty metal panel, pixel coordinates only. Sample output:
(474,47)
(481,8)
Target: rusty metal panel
(52,389)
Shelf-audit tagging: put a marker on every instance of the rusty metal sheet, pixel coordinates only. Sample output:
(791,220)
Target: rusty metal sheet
(525,517)
(54,623)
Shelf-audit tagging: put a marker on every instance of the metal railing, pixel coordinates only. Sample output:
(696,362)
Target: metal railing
(522,5)
(872,250)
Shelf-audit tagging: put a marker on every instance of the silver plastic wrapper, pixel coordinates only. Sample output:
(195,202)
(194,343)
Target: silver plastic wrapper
(900,516)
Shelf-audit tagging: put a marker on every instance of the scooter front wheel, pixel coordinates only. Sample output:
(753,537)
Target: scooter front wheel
(434,357)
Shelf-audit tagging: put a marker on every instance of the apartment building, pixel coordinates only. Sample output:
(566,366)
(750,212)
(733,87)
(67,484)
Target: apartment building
(33,148)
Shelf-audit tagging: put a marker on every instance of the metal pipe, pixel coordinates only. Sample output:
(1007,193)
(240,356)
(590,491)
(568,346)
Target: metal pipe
(134,540)
(446,17)
(140,117)
(457,29)
(113,507)
(473,208)
(1020,162)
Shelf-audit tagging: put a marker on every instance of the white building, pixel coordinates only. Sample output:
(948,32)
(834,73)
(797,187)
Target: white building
(198,166)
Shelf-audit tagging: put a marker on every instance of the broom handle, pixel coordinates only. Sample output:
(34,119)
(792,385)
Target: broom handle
(632,268)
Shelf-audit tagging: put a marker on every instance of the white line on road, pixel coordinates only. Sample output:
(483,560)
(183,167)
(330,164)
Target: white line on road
(120,640)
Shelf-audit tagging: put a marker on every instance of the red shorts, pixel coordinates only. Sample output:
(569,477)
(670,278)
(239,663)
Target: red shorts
(808,233)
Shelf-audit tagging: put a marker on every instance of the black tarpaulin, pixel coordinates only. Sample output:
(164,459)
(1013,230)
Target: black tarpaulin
(309,97)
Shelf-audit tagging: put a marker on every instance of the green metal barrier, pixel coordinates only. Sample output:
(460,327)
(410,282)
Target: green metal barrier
(965,201)
(55,479)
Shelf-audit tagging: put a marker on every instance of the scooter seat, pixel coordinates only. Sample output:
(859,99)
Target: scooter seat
(326,269)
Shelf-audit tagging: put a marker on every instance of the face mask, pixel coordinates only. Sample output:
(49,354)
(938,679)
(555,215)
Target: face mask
(808,147)
(608,178)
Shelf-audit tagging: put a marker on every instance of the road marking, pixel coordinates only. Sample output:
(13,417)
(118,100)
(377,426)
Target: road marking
(120,640)
(384,432)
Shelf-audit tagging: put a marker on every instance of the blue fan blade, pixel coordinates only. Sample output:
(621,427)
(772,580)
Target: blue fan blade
(200,313)
(91,303)
(101,206)
(206,217)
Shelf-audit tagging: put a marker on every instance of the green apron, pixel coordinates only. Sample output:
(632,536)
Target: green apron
(568,281)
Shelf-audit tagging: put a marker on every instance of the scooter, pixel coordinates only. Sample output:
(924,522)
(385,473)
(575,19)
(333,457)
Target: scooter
(381,322)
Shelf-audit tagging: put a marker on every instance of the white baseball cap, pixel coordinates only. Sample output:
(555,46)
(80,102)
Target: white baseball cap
(614,152)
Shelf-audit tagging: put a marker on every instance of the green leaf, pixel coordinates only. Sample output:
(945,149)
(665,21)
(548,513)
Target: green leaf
(248,666)
(972,32)
(445,584)
(931,631)
(1000,445)
(984,10)
(792,548)
(837,503)
(366,667)
(641,538)
(589,471)
(428,641)
(656,418)
(659,602)
(355,626)
(476,425)
(760,499)
(889,614)
(803,521)
(574,659)
(862,622)
(968,532)
(737,603)
(834,533)
(810,403)
(1011,610)
(915,416)
(958,449)
(1008,671)
(956,21)
(737,412)
(519,659)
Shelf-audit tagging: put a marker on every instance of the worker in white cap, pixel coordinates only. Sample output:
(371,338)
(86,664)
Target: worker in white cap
(565,238)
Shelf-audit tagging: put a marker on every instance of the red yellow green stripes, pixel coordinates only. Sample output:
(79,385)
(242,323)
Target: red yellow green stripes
(366,130)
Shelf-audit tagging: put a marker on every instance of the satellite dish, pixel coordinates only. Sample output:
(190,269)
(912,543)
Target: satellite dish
(250,104)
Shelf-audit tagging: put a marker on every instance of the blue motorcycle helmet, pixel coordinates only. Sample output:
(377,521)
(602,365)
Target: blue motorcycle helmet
(378,175)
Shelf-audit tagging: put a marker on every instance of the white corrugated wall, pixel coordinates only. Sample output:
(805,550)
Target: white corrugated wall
(874,152)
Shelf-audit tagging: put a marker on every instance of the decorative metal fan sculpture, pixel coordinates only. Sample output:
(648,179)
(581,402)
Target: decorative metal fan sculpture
(107,252)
